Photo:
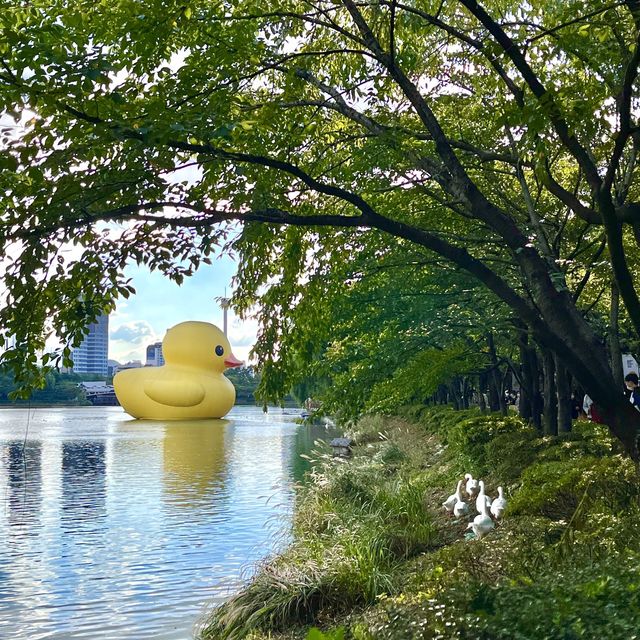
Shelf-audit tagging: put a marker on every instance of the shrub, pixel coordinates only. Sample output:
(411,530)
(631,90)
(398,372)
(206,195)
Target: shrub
(507,455)
(470,437)
(594,601)
(554,489)
(441,419)
(390,454)
(573,599)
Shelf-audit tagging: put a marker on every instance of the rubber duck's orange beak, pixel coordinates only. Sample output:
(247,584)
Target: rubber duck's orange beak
(231,361)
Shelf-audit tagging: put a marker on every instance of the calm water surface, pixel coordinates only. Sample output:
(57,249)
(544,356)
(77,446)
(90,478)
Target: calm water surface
(119,529)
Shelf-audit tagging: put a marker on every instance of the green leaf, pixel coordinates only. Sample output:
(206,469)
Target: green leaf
(116,97)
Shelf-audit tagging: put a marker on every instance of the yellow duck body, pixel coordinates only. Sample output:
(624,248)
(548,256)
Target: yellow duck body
(191,384)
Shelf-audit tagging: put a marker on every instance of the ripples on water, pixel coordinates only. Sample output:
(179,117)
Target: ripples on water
(118,529)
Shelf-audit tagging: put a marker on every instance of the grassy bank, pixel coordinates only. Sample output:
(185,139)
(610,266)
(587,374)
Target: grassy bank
(375,557)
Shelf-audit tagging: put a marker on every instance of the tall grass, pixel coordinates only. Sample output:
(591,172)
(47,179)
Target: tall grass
(354,525)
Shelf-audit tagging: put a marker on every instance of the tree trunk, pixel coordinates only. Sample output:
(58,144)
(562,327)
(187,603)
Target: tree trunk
(481,403)
(536,395)
(618,417)
(550,407)
(614,337)
(466,391)
(495,380)
(530,396)
(493,393)
(455,395)
(563,387)
(524,403)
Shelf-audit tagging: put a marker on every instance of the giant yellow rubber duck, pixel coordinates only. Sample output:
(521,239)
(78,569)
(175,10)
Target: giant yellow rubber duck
(191,384)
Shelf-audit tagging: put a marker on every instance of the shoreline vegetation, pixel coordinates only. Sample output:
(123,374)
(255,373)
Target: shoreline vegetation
(25,404)
(64,390)
(374,556)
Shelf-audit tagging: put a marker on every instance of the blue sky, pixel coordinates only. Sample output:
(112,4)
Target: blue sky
(159,304)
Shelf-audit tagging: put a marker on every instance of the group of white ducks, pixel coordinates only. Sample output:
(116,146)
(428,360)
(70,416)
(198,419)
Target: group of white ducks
(489,510)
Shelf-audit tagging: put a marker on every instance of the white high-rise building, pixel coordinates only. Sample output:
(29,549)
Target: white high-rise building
(154,355)
(92,355)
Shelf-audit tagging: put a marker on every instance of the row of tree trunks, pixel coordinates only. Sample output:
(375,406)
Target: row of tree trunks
(545,387)
(545,383)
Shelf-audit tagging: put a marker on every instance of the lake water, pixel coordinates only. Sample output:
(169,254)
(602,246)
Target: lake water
(120,529)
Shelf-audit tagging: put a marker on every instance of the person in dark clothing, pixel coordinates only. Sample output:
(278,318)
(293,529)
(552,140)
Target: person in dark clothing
(631,382)
(576,408)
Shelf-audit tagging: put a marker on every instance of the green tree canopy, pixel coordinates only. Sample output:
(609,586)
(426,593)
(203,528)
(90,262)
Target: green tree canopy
(500,137)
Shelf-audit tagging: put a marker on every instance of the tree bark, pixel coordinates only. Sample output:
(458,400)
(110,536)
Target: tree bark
(466,391)
(495,378)
(530,396)
(526,390)
(455,394)
(493,393)
(536,395)
(550,405)
(614,336)
(565,421)
(481,386)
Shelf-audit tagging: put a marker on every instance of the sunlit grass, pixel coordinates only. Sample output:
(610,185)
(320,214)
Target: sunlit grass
(354,525)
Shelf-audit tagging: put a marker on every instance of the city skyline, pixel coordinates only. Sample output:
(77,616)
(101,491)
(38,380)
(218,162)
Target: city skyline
(159,304)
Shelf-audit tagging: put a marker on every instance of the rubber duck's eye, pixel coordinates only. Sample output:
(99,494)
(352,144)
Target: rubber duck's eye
(219,350)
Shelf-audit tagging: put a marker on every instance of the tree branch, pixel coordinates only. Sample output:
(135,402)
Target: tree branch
(568,198)
(472,42)
(582,18)
(624,130)
(545,99)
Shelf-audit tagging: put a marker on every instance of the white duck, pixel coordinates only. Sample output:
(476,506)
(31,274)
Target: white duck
(460,509)
(482,499)
(450,503)
(482,523)
(471,486)
(498,505)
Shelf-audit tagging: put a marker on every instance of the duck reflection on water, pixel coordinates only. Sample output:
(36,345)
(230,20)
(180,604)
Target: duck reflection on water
(195,460)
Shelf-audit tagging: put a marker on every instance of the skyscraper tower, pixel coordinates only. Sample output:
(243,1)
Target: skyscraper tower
(154,355)
(92,355)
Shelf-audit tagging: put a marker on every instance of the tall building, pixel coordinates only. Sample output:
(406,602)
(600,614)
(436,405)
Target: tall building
(91,356)
(154,355)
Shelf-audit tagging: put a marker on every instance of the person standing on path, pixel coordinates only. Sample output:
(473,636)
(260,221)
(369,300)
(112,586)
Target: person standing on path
(631,382)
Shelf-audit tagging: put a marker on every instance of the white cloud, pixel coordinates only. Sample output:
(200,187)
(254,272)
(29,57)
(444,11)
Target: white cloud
(134,332)
(159,304)
(243,334)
